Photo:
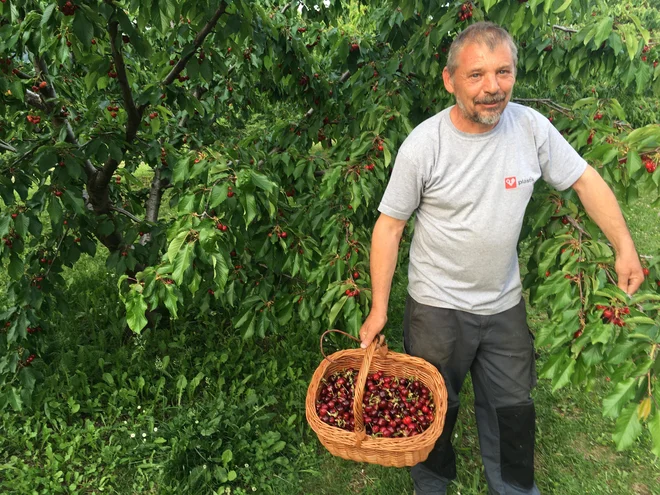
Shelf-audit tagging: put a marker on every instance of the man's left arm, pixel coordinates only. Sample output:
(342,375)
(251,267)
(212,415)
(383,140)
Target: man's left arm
(601,205)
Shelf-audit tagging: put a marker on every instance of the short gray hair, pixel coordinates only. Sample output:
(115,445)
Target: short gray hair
(484,32)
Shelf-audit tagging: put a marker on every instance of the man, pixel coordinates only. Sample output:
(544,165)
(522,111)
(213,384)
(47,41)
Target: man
(468,174)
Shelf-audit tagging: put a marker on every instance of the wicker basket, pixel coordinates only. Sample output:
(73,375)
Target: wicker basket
(356,445)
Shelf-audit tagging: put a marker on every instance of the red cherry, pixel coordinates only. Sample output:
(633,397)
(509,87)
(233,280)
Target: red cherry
(646,272)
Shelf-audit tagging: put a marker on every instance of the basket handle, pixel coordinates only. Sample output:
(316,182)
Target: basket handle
(338,331)
(377,343)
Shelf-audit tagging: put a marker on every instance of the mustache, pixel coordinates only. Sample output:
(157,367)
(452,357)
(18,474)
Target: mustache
(492,99)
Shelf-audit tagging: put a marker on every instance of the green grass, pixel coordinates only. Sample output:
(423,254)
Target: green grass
(99,385)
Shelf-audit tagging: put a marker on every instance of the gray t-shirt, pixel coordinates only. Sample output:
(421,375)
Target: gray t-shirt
(469,192)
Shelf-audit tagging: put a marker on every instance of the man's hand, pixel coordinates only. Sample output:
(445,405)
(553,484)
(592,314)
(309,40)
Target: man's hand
(629,272)
(371,327)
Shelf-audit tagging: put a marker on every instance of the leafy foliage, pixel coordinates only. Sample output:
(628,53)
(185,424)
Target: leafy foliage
(267,132)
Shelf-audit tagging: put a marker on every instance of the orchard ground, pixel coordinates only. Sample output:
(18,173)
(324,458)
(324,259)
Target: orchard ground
(159,412)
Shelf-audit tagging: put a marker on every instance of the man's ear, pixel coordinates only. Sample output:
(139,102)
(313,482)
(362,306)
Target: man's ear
(446,78)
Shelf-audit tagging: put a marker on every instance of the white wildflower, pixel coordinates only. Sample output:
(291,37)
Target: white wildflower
(132,435)
(144,435)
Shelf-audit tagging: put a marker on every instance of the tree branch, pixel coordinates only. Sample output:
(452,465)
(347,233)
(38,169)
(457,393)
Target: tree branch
(342,79)
(565,29)
(21,74)
(285,8)
(153,202)
(90,169)
(578,227)
(197,93)
(134,116)
(121,210)
(199,39)
(547,102)
(34,100)
(7,147)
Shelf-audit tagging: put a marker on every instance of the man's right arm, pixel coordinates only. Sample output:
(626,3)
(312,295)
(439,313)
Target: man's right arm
(384,251)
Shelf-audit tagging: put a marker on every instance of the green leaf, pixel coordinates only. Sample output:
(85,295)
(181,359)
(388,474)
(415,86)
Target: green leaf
(227,457)
(48,11)
(218,194)
(613,403)
(627,428)
(654,428)
(633,162)
(13,398)
(4,225)
(181,170)
(632,41)
(354,321)
(182,261)
(387,155)
(603,31)
(171,301)
(16,267)
(220,271)
(262,182)
(136,308)
(250,329)
(564,376)
(107,378)
(564,6)
(175,245)
(83,29)
(336,308)
(250,208)
(181,383)
(55,212)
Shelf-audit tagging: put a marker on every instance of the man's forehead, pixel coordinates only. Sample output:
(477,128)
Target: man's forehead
(478,53)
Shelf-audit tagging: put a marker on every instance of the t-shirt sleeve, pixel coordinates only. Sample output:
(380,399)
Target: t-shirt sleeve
(561,165)
(404,189)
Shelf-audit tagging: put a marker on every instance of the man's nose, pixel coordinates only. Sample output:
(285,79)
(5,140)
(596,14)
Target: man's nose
(491,85)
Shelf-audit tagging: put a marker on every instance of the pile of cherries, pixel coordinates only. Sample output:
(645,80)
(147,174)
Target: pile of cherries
(392,406)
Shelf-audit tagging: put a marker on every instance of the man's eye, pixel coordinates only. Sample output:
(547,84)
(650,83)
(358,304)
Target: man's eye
(474,76)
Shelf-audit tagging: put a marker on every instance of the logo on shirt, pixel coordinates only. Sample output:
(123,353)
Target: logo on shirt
(510,182)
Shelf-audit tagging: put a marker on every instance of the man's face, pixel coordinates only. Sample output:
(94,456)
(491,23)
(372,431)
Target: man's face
(482,84)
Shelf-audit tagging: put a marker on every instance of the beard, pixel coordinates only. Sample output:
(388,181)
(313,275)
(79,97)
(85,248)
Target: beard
(488,117)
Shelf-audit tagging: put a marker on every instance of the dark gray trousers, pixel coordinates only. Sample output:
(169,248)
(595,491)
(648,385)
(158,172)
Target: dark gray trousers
(498,350)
